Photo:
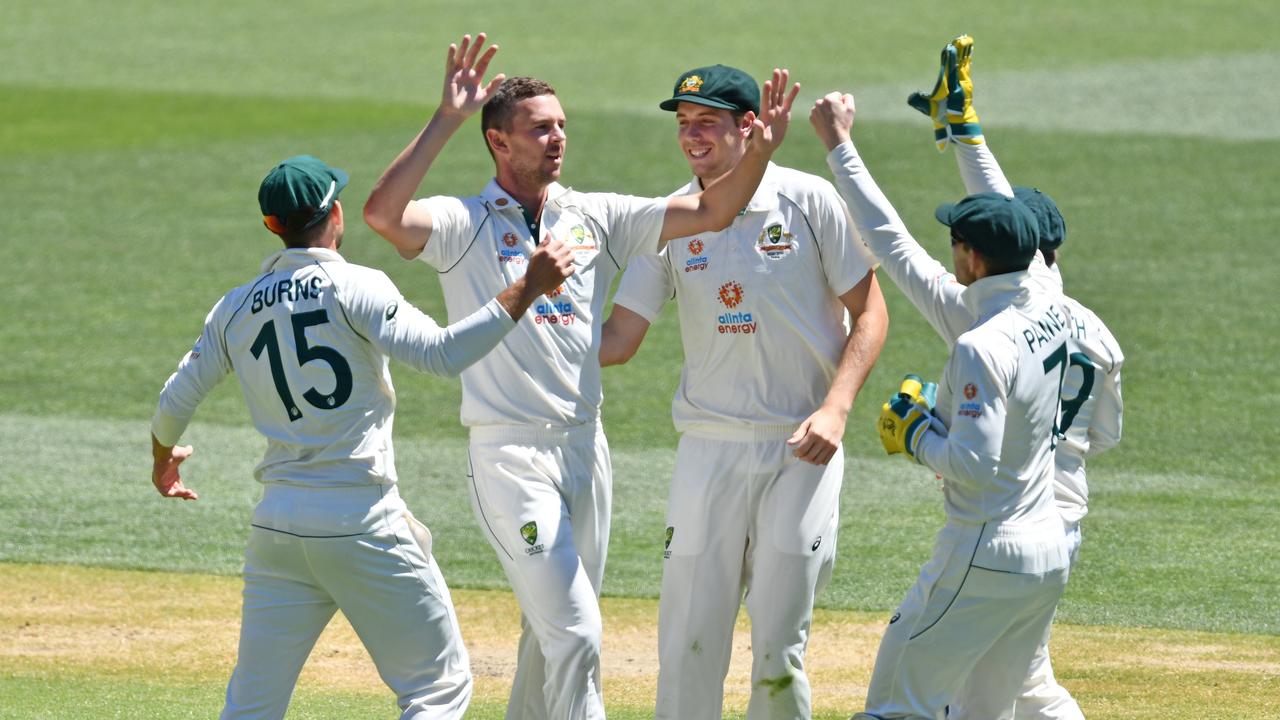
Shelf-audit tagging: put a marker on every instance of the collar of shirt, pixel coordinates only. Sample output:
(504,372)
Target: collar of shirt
(494,196)
(1050,276)
(989,295)
(764,199)
(297,257)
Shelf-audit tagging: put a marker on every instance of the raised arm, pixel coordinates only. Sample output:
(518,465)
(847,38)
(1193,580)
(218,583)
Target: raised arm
(925,281)
(716,206)
(389,209)
(412,337)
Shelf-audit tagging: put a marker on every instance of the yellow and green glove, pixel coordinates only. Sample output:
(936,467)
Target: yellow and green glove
(906,416)
(950,104)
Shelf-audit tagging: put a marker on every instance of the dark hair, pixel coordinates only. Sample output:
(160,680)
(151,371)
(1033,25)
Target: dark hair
(499,109)
(304,236)
(1050,256)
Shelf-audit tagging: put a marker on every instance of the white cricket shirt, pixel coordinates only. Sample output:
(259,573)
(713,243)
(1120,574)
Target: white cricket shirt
(547,371)
(999,394)
(760,313)
(309,340)
(1091,402)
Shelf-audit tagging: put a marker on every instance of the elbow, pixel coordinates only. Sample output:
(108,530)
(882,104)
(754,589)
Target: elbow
(376,217)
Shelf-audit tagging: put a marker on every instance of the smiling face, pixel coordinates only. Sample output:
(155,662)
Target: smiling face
(711,139)
(530,149)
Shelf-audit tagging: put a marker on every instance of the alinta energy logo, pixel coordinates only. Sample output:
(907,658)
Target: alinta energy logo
(697,261)
(556,310)
(510,253)
(734,323)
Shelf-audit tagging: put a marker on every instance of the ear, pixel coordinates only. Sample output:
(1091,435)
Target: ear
(497,141)
(744,127)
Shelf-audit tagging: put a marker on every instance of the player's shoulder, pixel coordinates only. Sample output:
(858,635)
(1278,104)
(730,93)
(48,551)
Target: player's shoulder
(799,186)
(1092,334)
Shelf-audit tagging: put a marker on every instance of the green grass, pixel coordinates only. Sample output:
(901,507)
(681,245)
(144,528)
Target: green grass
(135,135)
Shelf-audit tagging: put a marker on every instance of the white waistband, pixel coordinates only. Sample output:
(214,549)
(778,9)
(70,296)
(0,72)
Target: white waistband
(740,433)
(534,433)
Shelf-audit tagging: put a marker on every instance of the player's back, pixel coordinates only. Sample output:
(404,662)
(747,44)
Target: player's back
(1011,360)
(1091,407)
(319,391)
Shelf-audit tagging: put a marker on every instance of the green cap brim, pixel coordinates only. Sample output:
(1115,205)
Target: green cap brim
(673,103)
(943,213)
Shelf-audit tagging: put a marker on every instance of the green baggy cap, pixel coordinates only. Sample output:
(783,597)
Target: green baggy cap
(301,183)
(1053,228)
(997,226)
(717,86)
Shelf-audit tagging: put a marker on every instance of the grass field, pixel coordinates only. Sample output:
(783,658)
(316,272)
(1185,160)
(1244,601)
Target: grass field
(135,135)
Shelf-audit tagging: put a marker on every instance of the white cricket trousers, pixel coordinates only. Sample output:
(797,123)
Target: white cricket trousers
(1042,698)
(542,497)
(313,551)
(977,613)
(743,514)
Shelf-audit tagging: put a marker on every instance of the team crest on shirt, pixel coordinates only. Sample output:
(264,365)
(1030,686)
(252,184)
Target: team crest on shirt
(529,531)
(691,84)
(697,261)
(582,239)
(775,242)
(731,296)
(666,548)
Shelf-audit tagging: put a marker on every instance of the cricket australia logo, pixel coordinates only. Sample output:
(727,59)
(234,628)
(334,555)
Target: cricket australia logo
(666,548)
(691,84)
(529,531)
(582,238)
(697,261)
(734,323)
(775,242)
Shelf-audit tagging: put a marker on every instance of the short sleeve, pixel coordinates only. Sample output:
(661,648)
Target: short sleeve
(846,259)
(632,225)
(646,285)
(452,230)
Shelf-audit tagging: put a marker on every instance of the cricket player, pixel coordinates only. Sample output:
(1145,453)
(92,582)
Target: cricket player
(1092,404)
(540,475)
(987,596)
(771,372)
(309,339)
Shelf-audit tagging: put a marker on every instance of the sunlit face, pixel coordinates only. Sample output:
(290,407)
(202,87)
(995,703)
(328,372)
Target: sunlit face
(711,140)
(535,140)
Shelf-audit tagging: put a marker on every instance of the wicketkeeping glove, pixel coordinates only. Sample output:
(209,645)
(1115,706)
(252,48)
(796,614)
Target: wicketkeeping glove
(933,104)
(904,419)
(962,119)
(950,103)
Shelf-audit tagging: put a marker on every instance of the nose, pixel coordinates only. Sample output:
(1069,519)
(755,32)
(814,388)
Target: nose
(557,133)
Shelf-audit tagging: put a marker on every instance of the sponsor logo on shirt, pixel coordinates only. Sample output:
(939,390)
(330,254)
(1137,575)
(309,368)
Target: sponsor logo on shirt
(510,239)
(970,391)
(734,323)
(555,311)
(697,261)
(970,409)
(774,242)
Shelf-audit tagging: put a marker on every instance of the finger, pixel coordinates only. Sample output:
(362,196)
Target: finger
(799,434)
(461,56)
(492,87)
(791,97)
(475,50)
(450,61)
(482,67)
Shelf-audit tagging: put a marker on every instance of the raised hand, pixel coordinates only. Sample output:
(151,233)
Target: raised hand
(465,91)
(832,118)
(771,125)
